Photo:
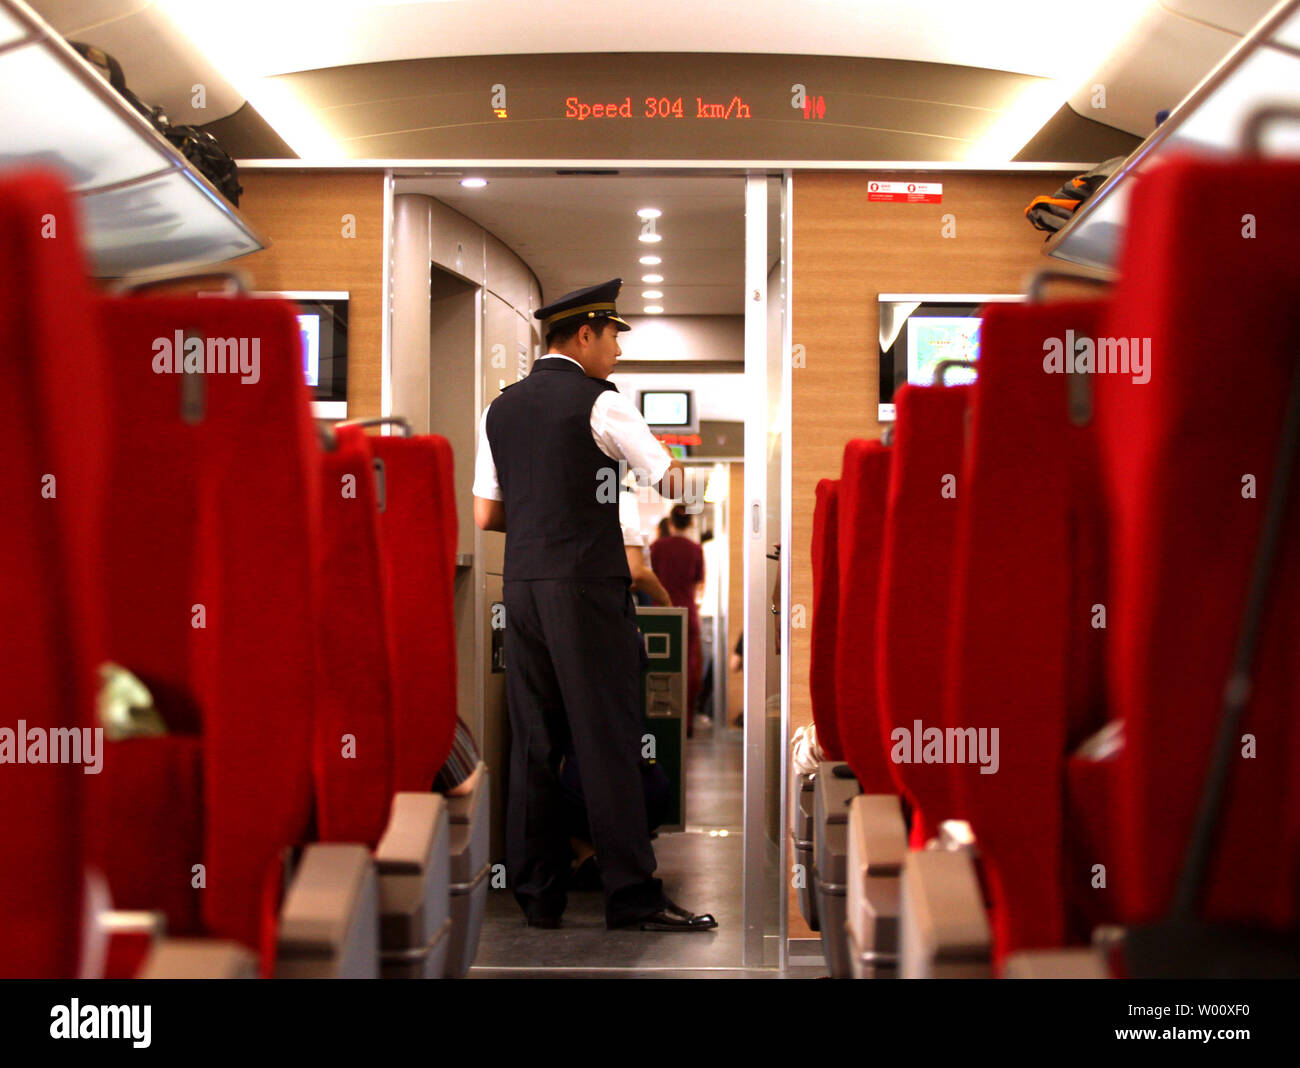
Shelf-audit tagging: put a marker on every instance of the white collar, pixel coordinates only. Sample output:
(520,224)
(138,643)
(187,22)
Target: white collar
(561,356)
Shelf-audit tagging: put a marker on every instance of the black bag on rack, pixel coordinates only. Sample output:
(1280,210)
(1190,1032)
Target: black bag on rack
(198,146)
(1053,212)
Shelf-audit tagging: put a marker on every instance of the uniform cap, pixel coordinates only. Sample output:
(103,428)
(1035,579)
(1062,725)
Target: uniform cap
(594,302)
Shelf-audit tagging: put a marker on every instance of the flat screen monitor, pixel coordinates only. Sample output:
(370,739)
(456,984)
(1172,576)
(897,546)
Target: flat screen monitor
(669,410)
(919,331)
(323,329)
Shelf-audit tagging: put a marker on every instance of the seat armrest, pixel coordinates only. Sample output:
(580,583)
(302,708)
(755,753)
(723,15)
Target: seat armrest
(1056,964)
(412,825)
(877,834)
(199,958)
(329,924)
(414,867)
(877,844)
(943,925)
(832,794)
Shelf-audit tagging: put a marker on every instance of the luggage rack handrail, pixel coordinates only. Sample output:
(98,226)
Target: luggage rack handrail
(325,430)
(236,281)
(399,421)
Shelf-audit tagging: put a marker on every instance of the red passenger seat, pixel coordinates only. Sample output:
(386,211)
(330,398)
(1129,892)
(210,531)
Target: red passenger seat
(420,534)
(52,390)
(1189,459)
(863,495)
(354,747)
(1026,574)
(916,587)
(826,583)
(212,601)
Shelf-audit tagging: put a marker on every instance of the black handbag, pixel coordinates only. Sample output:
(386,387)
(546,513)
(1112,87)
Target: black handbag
(203,151)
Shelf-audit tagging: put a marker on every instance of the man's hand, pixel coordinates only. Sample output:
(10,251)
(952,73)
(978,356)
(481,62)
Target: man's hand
(673,484)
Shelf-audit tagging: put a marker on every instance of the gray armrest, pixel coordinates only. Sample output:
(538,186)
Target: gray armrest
(803,816)
(833,794)
(804,811)
(470,865)
(329,924)
(199,958)
(943,926)
(1056,964)
(414,874)
(877,843)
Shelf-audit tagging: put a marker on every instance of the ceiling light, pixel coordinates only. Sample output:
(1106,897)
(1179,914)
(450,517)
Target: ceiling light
(652,294)
(649,213)
(650,239)
(651,261)
(653,279)
(653,309)
(473,183)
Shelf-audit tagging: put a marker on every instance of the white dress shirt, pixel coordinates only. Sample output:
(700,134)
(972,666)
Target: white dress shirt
(618,429)
(629,518)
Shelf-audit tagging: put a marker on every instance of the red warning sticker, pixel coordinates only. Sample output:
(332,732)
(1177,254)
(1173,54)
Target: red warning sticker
(905,192)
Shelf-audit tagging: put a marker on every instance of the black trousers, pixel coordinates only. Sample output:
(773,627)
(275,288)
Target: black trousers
(573,656)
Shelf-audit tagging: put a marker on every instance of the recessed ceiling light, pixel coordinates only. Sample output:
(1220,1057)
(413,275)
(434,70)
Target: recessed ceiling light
(651,261)
(649,213)
(650,239)
(651,294)
(653,279)
(653,309)
(473,183)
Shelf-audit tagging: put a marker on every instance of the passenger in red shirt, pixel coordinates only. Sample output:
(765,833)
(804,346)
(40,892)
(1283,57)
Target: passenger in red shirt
(679,563)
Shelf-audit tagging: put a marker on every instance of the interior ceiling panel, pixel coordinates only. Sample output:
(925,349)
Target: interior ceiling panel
(376,71)
(1168,53)
(161,64)
(1235,16)
(878,109)
(1185,37)
(574,231)
(993,34)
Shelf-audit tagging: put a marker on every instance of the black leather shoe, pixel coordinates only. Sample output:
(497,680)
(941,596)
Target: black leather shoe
(550,923)
(670,917)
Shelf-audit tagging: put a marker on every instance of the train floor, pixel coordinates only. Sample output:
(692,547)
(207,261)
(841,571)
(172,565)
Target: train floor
(701,868)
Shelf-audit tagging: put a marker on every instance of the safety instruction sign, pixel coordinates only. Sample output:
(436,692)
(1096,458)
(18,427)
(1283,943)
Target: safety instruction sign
(905,192)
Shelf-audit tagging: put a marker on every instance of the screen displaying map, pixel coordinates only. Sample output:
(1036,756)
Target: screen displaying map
(933,339)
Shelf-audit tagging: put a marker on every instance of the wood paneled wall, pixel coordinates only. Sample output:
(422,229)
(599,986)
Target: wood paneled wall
(846,251)
(305,217)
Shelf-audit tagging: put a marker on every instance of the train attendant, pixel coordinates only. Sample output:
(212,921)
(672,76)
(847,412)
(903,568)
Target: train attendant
(549,463)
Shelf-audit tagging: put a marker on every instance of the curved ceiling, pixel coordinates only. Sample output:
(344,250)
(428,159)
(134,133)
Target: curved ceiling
(295,36)
(1147,53)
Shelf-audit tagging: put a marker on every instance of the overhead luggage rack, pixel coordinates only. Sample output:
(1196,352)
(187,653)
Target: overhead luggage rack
(1264,69)
(143,205)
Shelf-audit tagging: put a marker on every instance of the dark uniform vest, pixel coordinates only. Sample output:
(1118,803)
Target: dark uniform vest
(560,489)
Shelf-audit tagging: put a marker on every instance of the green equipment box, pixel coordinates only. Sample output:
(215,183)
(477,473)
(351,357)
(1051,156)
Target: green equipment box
(664,701)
